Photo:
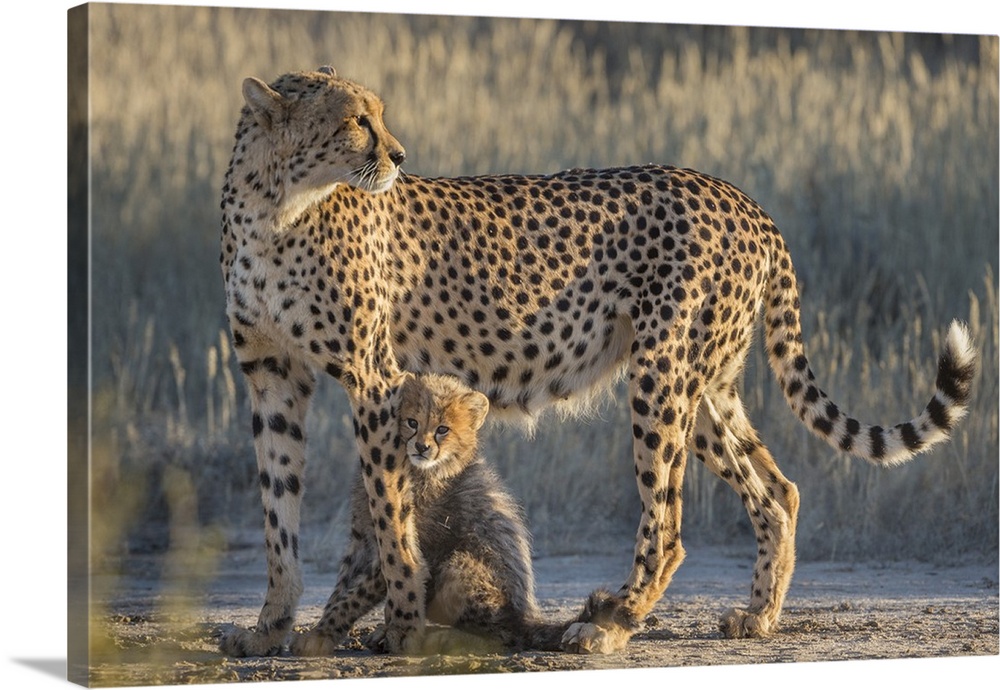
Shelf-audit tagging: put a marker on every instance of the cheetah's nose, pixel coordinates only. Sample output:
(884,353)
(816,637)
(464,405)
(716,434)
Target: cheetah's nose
(397,157)
(421,447)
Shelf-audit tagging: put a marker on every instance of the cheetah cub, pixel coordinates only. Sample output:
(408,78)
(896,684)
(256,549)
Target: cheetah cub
(471,532)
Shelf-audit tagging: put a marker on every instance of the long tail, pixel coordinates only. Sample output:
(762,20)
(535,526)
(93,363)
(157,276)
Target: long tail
(880,446)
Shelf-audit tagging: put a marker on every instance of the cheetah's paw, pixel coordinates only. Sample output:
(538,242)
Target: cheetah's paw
(737,623)
(588,638)
(242,642)
(394,640)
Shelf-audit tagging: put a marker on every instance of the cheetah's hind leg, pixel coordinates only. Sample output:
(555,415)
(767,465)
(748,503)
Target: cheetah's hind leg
(729,446)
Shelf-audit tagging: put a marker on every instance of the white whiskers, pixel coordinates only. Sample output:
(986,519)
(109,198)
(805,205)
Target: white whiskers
(370,177)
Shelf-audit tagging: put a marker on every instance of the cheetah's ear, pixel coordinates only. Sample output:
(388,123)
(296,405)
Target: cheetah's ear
(478,406)
(266,104)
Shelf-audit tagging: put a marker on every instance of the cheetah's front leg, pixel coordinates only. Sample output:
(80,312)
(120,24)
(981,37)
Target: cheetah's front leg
(387,493)
(280,388)
(662,425)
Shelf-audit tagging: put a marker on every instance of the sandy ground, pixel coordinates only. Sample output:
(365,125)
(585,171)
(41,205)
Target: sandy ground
(163,629)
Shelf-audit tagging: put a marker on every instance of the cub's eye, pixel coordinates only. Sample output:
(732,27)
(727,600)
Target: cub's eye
(361,120)
(442,431)
(411,423)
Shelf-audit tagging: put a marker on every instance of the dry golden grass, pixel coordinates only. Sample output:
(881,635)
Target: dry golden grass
(876,154)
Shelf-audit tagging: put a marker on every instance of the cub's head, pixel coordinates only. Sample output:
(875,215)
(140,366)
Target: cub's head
(439,420)
(318,130)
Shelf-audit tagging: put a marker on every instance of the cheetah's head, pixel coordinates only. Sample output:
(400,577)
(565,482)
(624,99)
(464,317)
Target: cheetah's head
(317,131)
(439,420)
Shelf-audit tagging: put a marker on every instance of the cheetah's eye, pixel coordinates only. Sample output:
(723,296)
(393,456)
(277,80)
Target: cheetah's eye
(361,120)
(412,423)
(442,431)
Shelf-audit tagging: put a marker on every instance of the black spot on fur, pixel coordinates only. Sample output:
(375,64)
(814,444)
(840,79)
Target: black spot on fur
(277,423)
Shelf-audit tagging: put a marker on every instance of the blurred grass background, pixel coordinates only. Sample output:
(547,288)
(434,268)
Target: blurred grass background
(877,155)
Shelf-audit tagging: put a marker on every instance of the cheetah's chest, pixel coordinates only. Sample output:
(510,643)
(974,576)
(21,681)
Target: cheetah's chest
(274,302)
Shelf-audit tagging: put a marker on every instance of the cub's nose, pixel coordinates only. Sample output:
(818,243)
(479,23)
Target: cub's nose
(421,447)
(397,157)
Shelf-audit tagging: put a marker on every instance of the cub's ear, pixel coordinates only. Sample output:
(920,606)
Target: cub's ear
(266,104)
(478,406)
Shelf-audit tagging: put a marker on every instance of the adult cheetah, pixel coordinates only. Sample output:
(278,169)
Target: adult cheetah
(535,290)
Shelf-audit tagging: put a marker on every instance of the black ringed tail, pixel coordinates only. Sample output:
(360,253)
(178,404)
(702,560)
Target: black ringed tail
(883,446)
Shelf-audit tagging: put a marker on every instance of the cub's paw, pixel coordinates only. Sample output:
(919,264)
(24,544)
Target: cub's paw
(588,638)
(312,644)
(241,642)
(737,623)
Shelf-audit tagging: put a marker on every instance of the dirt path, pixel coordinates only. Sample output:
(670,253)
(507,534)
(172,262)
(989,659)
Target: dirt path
(160,633)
